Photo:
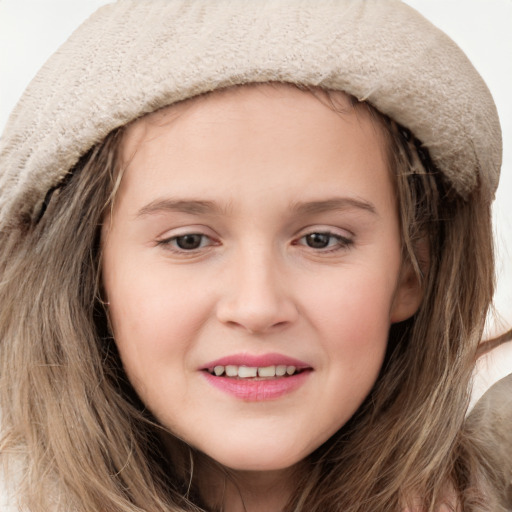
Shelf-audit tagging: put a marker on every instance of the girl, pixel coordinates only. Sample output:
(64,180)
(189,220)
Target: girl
(246,260)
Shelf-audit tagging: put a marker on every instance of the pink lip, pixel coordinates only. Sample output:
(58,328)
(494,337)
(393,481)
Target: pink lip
(258,361)
(256,390)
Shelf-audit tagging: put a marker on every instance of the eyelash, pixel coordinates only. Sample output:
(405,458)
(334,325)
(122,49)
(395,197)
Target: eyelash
(340,242)
(172,242)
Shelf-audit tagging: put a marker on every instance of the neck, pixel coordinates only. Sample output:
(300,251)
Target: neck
(245,491)
(227,490)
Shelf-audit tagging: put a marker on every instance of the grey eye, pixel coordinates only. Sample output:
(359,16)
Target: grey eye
(189,242)
(318,240)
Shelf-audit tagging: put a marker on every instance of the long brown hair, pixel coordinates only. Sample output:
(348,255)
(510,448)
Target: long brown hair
(82,440)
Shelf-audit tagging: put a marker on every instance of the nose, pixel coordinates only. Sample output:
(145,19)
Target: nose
(256,296)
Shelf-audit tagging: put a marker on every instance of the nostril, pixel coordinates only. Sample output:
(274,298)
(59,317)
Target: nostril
(280,324)
(255,324)
(257,303)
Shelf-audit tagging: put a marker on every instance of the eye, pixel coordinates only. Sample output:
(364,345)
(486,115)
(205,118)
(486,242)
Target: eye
(187,242)
(325,240)
(318,240)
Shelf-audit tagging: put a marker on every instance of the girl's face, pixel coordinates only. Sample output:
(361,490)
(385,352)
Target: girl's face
(252,262)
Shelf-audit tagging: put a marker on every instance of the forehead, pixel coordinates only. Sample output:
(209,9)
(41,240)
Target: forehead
(246,102)
(256,138)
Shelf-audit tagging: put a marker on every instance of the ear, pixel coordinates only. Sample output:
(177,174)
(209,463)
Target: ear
(409,290)
(408,294)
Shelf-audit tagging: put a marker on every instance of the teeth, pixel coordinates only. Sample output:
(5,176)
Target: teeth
(231,370)
(290,370)
(267,371)
(281,370)
(245,372)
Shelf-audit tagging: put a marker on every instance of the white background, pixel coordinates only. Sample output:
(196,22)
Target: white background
(31,30)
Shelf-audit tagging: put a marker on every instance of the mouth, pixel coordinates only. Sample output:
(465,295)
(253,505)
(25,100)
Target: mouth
(255,372)
(257,378)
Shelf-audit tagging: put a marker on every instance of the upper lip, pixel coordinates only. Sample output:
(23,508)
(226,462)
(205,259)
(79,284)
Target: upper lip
(258,361)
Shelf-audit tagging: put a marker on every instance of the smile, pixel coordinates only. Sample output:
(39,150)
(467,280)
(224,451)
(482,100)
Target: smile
(253,372)
(257,378)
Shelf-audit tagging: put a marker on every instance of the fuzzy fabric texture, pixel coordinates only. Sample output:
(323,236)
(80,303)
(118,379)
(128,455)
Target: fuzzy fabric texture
(491,420)
(135,56)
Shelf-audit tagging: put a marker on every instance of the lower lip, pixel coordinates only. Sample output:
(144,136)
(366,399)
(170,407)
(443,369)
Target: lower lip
(253,390)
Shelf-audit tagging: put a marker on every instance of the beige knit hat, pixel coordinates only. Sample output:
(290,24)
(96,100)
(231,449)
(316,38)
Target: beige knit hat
(135,56)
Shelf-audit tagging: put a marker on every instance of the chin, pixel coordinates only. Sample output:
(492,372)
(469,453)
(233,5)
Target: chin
(257,459)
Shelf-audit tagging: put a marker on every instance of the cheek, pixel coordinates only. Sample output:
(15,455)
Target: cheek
(145,297)
(352,302)
(352,315)
(155,325)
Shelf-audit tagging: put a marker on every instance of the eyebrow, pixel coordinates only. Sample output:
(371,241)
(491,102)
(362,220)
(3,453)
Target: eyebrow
(191,206)
(335,203)
(202,207)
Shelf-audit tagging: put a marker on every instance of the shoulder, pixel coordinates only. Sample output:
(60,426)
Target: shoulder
(12,473)
(7,499)
(491,367)
(10,477)
(489,426)
(492,415)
